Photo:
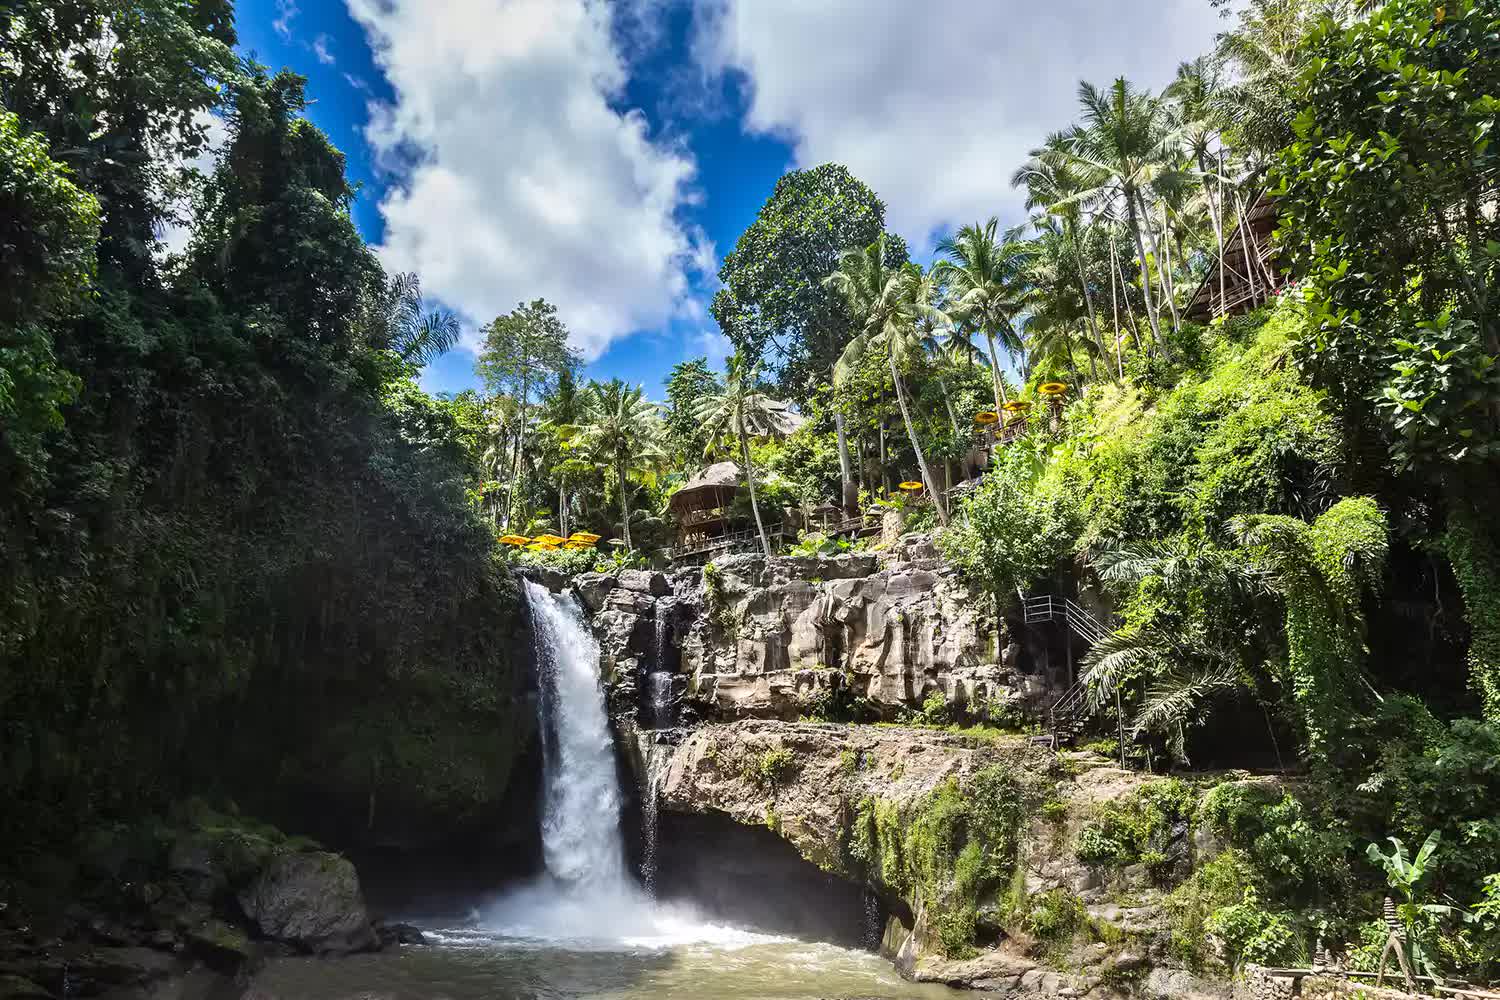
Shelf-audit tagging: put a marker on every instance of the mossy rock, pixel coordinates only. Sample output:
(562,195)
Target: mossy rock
(224,948)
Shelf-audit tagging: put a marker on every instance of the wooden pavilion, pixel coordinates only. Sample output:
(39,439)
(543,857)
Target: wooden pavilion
(1248,275)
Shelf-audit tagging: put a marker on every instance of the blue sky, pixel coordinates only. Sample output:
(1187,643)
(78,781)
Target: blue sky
(605,156)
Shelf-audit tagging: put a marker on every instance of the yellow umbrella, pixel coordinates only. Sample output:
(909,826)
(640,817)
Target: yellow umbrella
(912,487)
(1052,388)
(987,417)
(550,539)
(1016,406)
(576,545)
(514,540)
(585,537)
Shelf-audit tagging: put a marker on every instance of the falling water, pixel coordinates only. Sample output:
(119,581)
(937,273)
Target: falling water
(659,712)
(581,810)
(587,894)
(874,929)
(651,755)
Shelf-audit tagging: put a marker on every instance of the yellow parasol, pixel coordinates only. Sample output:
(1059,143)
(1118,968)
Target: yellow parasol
(912,487)
(517,540)
(1052,389)
(1016,406)
(987,417)
(550,539)
(585,537)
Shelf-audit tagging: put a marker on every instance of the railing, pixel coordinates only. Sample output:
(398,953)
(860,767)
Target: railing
(1064,717)
(1047,608)
(745,538)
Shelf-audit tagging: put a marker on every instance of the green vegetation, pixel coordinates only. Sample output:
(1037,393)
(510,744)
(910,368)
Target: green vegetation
(240,550)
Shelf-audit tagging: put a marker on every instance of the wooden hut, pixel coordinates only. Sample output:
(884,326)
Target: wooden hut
(1248,275)
(701,508)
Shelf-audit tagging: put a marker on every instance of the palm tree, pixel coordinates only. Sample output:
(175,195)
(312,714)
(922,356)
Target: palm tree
(983,272)
(623,431)
(885,302)
(395,318)
(1118,152)
(739,413)
(1052,185)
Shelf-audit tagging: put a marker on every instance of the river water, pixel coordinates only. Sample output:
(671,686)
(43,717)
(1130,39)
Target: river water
(585,928)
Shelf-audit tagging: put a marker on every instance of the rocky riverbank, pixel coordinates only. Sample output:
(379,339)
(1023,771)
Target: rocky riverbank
(129,908)
(970,844)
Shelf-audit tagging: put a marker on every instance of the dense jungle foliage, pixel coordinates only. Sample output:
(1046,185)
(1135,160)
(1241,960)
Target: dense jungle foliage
(222,490)
(238,555)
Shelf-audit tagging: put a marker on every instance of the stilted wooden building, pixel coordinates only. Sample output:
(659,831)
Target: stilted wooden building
(1248,274)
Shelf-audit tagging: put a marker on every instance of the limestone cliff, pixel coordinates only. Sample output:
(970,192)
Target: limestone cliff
(751,638)
(968,843)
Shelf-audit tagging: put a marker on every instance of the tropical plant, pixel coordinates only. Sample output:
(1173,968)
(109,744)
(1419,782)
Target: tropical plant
(983,272)
(888,303)
(739,413)
(623,431)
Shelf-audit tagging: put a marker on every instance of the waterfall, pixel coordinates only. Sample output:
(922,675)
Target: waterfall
(659,711)
(587,896)
(874,925)
(650,797)
(581,808)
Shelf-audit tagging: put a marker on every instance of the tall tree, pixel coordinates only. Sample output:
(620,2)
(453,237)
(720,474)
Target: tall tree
(886,300)
(689,383)
(739,413)
(984,272)
(524,351)
(623,430)
(774,304)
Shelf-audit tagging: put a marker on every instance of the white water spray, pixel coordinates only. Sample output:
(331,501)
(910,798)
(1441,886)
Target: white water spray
(581,812)
(587,898)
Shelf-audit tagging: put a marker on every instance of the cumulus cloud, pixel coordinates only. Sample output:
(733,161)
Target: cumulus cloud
(936,106)
(322,47)
(286,13)
(176,233)
(515,176)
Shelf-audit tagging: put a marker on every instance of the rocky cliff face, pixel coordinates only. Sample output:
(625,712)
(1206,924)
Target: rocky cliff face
(967,842)
(856,634)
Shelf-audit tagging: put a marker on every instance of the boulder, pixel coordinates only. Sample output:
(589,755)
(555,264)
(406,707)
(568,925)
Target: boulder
(593,588)
(644,581)
(222,947)
(311,901)
(392,934)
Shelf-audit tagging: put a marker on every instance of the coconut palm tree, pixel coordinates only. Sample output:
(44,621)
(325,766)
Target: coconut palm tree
(1052,185)
(885,302)
(983,271)
(1118,152)
(736,414)
(623,431)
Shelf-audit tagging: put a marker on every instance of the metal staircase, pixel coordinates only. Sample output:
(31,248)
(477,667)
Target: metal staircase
(1066,716)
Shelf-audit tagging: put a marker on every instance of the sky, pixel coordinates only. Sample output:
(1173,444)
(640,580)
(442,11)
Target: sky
(605,156)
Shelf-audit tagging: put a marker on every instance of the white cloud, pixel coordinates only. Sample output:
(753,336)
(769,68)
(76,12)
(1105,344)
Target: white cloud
(515,178)
(286,13)
(935,107)
(322,48)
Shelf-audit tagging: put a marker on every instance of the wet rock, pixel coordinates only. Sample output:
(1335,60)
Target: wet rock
(87,971)
(592,588)
(1175,984)
(392,934)
(311,901)
(222,947)
(17,988)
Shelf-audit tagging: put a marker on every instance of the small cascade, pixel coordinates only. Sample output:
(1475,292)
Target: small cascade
(874,927)
(659,712)
(653,756)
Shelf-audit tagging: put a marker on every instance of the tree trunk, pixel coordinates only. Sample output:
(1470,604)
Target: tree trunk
(624,505)
(1166,265)
(760,528)
(850,496)
(948,404)
(916,446)
(515,467)
(1088,300)
(1114,302)
(1140,252)
(562,510)
(1000,398)
(885,472)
